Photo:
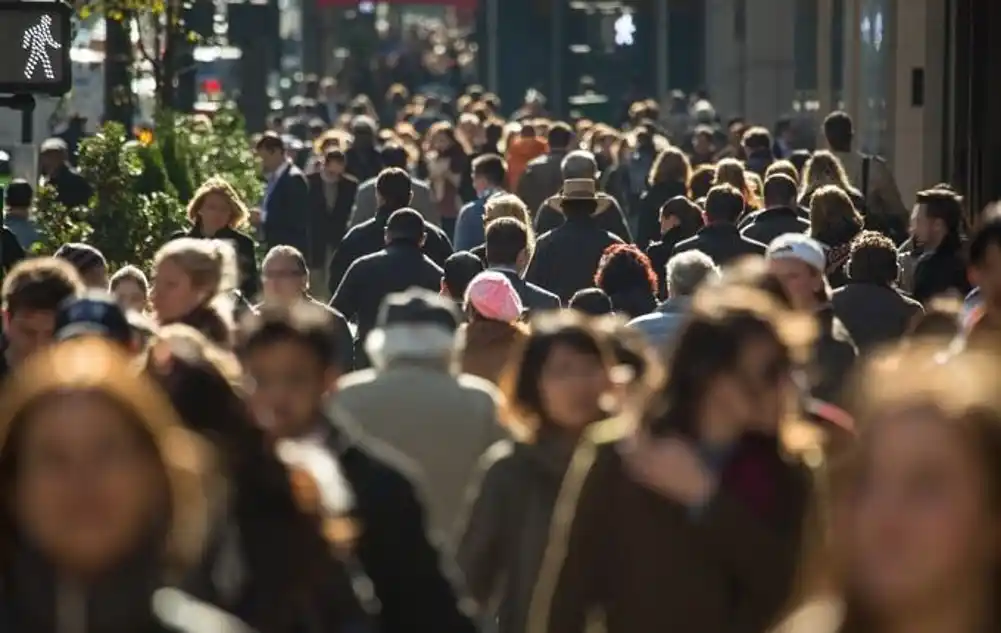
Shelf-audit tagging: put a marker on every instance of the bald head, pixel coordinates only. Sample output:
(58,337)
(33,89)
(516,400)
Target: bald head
(579,164)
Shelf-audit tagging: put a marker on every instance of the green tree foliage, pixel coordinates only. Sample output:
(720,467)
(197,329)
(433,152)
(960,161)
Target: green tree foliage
(141,188)
(59,225)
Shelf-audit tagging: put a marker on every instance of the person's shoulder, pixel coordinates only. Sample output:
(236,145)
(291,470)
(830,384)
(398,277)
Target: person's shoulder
(295,172)
(686,244)
(546,238)
(398,474)
(753,244)
(478,387)
(356,381)
(368,185)
(358,231)
(538,160)
(179,612)
(646,319)
(349,179)
(239,237)
(613,238)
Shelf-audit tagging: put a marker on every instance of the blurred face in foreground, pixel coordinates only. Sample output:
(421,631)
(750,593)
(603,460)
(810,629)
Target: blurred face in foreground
(28,331)
(571,385)
(920,531)
(801,282)
(173,295)
(287,387)
(88,484)
(749,397)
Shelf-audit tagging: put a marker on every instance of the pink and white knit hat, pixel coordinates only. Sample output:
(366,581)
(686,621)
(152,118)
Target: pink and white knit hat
(493,297)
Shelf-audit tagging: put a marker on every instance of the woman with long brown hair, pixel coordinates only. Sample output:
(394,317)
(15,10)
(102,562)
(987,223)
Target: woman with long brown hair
(554,388)
(906,536)
(834,222)
(669,177)
(299,586)
(685,515)
(106,498)
(731,171)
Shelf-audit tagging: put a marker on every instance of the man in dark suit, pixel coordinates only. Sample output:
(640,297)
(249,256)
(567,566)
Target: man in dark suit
(780,215)
(284,213)
(508,253)
(720,239)
(331,196)
(395,268)
(393,192)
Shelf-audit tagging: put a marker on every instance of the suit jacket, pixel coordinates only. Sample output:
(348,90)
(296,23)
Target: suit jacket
(286,211)
(365,204)
(533,298)
(327,225)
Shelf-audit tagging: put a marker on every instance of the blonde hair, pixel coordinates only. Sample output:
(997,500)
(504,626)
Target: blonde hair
(210,264)
(831,210)
(824,168)
(510,206)
(782,167)
(218,186)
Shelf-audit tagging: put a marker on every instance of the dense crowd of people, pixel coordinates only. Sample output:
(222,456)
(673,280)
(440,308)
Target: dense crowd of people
(516,375)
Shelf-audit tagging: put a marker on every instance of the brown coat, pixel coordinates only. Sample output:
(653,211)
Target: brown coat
(643,563)
(488,347)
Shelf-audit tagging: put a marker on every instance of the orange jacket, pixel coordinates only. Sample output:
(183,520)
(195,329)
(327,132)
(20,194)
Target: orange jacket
(519,153)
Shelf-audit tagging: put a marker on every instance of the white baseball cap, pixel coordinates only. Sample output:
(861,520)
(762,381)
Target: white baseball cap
(799,247)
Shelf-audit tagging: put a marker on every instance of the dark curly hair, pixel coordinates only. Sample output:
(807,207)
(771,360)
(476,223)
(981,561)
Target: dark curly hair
(873,259)
(624,266)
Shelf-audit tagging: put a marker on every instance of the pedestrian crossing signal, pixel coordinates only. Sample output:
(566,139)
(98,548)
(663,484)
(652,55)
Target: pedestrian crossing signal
(35,43)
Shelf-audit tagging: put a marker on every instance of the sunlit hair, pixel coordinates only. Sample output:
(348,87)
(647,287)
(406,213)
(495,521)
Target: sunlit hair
(510,206)
(725,318)
(331,139)
(701,181)
(624,266)
(730,171)
(960,389)
(832,213)
(782,167)
(130,273)
(446,129)
(523,413)
(217,186)
(210,264)
(671,165)
(95,366)
(824,168)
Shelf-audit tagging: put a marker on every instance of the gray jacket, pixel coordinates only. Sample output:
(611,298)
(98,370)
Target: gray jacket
(662,325)
(365,203)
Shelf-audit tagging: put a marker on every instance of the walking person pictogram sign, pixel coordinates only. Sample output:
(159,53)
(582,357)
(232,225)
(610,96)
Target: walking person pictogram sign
(35,43)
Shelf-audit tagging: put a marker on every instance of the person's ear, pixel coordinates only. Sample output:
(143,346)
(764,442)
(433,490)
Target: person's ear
(422,240)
